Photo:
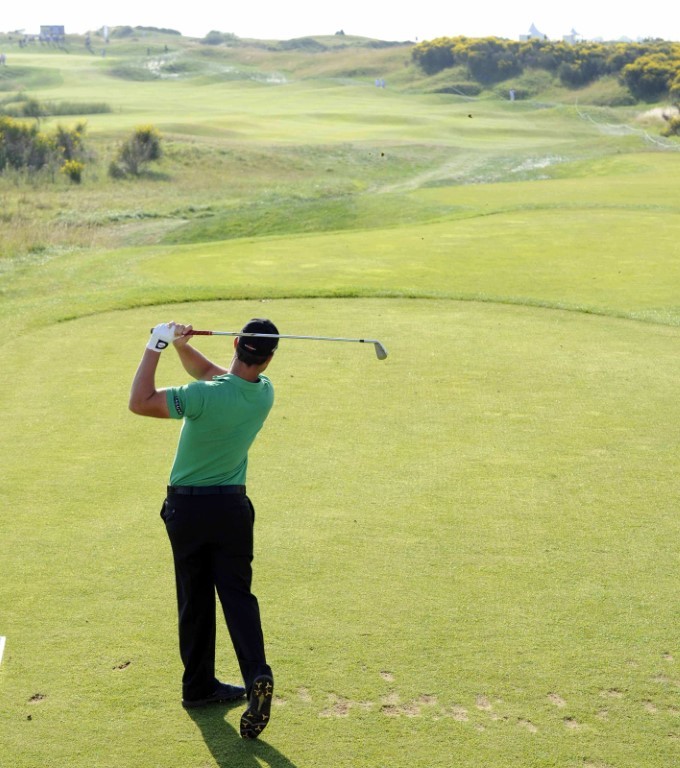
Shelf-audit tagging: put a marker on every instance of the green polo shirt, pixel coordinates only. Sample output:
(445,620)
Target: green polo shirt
(221,419)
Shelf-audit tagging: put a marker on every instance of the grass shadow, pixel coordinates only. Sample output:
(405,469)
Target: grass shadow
(152,175)
(226,745)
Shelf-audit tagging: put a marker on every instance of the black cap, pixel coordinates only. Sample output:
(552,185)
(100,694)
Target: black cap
(255,345)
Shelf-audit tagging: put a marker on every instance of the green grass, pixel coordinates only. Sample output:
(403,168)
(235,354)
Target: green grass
(466,553)
(490,539)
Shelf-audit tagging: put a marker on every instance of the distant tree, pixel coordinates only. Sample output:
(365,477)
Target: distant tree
(581,71)
(433,56)
(620,55)
(125,31)
(540,54)
(648,69)
(213,38)
(218,38)
(158,30)
(490,60)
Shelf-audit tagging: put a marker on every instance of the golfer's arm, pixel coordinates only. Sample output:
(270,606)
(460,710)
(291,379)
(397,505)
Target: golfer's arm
(197,365)
(145,399)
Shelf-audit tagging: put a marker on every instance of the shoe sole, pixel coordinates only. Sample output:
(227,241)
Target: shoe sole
(254,720)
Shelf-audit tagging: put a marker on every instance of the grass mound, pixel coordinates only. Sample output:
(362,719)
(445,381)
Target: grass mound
(22,77)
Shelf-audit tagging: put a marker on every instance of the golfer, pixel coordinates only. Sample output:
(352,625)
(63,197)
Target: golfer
(207,514)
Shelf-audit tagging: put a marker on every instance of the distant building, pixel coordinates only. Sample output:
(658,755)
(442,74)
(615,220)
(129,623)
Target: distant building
(52,33)
(572,38)
(534,34)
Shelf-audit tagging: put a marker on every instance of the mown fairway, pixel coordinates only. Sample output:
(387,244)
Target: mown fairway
(467,554)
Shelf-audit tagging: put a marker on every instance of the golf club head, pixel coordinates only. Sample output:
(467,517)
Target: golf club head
(380,351)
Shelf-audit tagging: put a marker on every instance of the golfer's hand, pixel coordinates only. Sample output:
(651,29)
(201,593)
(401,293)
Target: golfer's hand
(161,336)
(182,335)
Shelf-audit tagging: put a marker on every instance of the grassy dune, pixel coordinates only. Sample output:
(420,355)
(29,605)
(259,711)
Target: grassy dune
(466,553)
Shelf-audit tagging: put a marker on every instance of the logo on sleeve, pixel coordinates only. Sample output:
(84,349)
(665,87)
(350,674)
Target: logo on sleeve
(178,405)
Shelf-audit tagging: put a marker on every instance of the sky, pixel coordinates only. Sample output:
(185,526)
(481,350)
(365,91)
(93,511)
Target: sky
(414,21)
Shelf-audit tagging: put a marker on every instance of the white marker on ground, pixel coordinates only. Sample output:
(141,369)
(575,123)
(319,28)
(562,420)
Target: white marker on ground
(2,647)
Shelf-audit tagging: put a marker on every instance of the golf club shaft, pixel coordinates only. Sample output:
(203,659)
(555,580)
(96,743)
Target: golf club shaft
(380,350)
(277,336)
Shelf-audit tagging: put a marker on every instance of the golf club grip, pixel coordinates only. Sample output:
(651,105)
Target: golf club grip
(195,333)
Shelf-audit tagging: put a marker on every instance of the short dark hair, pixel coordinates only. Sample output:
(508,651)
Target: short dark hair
(249,358)
(255,350)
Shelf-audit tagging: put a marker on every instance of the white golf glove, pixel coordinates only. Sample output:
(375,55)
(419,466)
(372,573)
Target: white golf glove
(161,337)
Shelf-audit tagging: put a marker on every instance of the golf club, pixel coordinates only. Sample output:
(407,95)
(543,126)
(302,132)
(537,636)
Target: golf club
(380,351)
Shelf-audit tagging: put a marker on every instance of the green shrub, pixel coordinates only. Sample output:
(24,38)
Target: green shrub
(23,146)
(143,147)
(55,108)
(20,105)
(70,142)
(116,171)
(74,170)
(672,126)
(650,77)
(122,32)
(674,91)
(433,56)
(647,68)
(158,30)
(213,38)
(33,108)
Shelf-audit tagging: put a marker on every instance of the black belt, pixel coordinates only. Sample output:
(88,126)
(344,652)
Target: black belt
(206,490)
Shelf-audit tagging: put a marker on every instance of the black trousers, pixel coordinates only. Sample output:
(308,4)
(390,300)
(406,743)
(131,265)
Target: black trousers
(212,546)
